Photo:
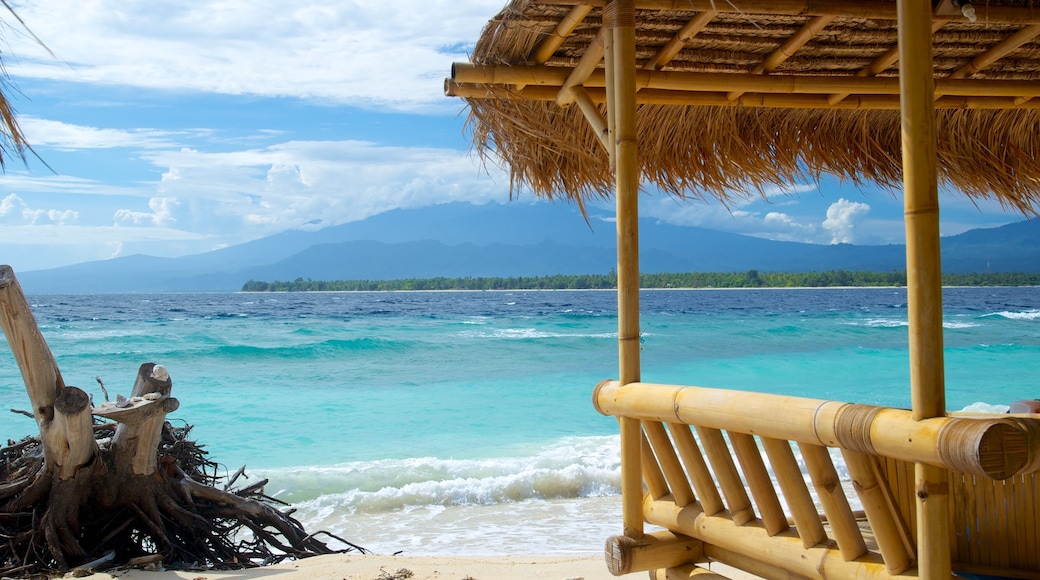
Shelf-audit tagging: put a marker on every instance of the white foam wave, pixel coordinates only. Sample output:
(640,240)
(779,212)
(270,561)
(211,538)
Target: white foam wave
(531,333)
(570,468)
(885,323)
(1023,315)
(980,407)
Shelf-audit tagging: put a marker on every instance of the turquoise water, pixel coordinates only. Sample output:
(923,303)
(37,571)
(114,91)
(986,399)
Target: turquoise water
(462,422)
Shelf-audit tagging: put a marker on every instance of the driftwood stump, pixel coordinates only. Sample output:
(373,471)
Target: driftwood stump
(117,484)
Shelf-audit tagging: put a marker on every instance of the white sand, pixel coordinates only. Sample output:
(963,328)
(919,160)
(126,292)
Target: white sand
(373,567)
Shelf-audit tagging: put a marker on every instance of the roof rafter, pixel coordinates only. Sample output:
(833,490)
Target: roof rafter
(676,44)
(789,47)
(548,46)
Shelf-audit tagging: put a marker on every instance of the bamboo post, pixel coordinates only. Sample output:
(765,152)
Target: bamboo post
(619,19)
(924,283)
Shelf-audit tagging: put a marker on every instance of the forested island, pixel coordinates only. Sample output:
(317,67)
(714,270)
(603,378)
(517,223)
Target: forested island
(749,279)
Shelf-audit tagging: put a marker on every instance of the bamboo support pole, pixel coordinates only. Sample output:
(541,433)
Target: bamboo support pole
(700,477)
(995,447)
(822,86)
(863,9)
(608,96)
(750,565)
(685,572)
(880,511)
(924,282)
(564,29)
(677,42)
(757,476)
(782,551)
(721,461)
(619,19)
(669,462)
(832,498)
(788,48)
(665,549)
(749,100)
(806,518)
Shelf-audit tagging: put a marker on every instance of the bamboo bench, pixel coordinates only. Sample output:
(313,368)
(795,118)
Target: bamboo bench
(704,455)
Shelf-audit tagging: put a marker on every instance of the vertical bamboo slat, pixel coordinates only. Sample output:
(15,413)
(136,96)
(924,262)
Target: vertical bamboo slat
(703,484)
(726,472)
(806,519)
(880,513)
(832,498)
(666,457)
(758,480)
(652,475)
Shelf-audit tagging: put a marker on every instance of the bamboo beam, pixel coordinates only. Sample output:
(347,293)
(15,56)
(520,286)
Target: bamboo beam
(656,484)
(592,115)
(619,20)
(665,549)
(564,29)
(879,9)
(586,66)
(998,51)
(882,63)
(832,498)
(782,551)
(996,447)
(750,100)
(677,42)
(788,48)
(505,75)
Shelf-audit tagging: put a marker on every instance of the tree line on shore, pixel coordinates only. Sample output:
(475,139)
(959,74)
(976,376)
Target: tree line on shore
(748,279)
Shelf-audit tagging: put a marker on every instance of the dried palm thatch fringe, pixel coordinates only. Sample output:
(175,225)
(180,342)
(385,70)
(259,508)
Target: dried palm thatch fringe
(730,152)
(12,140)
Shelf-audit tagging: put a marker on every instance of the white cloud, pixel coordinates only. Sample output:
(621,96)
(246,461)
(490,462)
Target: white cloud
(380,53)
(67,137)
(161,214)
(842,218)
(14,210)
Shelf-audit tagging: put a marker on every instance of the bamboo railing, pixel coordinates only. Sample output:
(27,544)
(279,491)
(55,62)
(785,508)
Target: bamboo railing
(756,481)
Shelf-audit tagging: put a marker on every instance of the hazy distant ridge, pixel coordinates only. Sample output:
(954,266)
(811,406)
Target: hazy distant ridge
(458,240)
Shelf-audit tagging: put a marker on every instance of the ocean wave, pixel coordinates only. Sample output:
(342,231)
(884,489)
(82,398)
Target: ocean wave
(320,349)
(573,467)
(1018,315)
(532,334)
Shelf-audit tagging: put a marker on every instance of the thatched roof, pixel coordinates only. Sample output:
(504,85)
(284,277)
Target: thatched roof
(739,94)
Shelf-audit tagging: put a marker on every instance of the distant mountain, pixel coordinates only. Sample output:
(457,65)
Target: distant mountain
(461,239)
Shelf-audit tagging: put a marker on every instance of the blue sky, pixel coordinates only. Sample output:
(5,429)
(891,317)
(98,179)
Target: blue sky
(172,128)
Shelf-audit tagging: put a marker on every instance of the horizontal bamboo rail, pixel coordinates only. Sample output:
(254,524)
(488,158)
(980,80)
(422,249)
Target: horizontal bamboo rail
(506,75)
(753,100)
(997,448)
(861,9)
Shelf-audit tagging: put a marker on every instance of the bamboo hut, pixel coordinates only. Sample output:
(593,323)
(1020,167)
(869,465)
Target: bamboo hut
(586,99)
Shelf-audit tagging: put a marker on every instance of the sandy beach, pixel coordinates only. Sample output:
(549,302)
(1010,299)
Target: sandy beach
(375,567)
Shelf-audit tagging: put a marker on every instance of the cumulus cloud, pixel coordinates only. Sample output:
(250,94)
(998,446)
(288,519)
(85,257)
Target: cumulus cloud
(161,214)
(379,53)
(842,217)
(14,210)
